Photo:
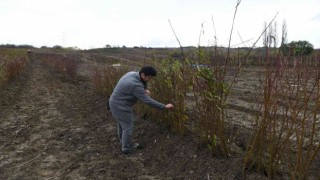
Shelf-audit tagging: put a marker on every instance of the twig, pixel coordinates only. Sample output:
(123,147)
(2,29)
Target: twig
(234,17)
(102,100)
(215,32)
(242,42)
(36,156)
(215,37)
(30,160)
(177,39)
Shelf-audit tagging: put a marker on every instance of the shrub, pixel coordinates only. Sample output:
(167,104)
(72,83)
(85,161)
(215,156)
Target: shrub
(12,61)
(171,86)
(285,138)
(105,79)
(210,111)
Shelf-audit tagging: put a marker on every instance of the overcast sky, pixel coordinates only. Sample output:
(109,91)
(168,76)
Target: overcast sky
(96,23)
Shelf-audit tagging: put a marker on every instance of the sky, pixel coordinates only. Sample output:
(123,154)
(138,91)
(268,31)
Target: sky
(90,24)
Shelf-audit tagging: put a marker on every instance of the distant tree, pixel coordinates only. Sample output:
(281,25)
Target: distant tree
(25,46)
(275,34)
(270,36)
(8,45)
(57,47)
(297,48)
(284,34)
(108,46)
(264,40)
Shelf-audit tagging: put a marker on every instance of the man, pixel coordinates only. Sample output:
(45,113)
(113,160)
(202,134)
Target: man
(131,88)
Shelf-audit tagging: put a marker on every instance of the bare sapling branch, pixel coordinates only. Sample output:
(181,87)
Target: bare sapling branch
(181,48)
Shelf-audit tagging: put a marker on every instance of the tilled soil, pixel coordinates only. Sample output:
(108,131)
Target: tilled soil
(54,128)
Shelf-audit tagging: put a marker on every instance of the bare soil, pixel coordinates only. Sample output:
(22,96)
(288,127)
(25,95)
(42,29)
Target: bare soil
(55,128)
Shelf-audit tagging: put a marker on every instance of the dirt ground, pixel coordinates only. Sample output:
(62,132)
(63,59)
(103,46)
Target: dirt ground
(54,128)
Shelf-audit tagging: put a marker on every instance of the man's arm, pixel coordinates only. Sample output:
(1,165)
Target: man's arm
(168,106)
(143,96)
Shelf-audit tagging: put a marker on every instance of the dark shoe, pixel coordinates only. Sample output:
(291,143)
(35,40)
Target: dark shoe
(126,152)
(138,146)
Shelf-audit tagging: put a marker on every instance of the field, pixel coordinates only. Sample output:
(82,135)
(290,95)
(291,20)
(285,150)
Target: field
(53,126)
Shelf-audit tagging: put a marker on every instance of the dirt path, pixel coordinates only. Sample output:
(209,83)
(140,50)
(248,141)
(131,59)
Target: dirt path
(52,128)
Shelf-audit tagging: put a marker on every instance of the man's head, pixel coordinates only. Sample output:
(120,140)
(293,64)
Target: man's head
(147,73)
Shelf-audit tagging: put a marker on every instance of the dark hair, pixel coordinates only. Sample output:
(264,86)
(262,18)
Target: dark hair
(148,71)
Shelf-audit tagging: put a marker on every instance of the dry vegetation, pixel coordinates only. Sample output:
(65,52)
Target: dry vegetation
(265,115)
(283,109)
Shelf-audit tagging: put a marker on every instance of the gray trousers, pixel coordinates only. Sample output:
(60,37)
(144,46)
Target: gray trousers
(125,130)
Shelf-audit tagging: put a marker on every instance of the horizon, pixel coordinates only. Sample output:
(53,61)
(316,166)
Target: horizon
(121,47)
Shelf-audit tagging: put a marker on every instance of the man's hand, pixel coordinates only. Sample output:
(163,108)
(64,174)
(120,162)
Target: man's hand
(168,106)
(148,92)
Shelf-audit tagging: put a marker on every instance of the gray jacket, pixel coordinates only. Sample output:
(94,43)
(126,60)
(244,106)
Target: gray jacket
(127,92)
